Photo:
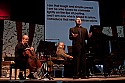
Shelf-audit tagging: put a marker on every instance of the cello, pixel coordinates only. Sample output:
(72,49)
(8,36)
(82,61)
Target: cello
(33,61)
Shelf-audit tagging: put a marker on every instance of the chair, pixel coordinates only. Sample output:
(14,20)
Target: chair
(16,65)
(13,66)
(5,68)
(58,67)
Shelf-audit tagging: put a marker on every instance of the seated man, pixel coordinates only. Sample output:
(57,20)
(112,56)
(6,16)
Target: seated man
(60,52)
(21,57)
(61,55)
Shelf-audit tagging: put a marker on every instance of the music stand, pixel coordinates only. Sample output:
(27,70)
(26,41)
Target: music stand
(49,49)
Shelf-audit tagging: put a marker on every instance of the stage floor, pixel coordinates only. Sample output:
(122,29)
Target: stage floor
(69,80)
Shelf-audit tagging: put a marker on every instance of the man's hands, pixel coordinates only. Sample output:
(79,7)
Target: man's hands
(31,48)
(74,35)
(90,34)
(70,56)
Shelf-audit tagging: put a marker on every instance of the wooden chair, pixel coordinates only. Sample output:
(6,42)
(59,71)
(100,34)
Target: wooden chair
(16,65)
(5,68)
(58,67)
(13,66)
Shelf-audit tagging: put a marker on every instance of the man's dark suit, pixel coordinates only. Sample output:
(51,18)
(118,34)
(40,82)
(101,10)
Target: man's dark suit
(78,49)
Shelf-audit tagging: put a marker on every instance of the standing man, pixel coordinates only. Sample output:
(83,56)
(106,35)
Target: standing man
(79,35)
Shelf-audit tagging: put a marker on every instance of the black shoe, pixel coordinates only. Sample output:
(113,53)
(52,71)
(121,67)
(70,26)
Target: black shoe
(84,77)
(105,75)
(50,78)
(31,76)
(21,76)
(75,77)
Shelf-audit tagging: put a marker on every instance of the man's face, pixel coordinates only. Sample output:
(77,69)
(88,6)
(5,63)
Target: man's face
(78,21)
(25,39)
(61,45)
